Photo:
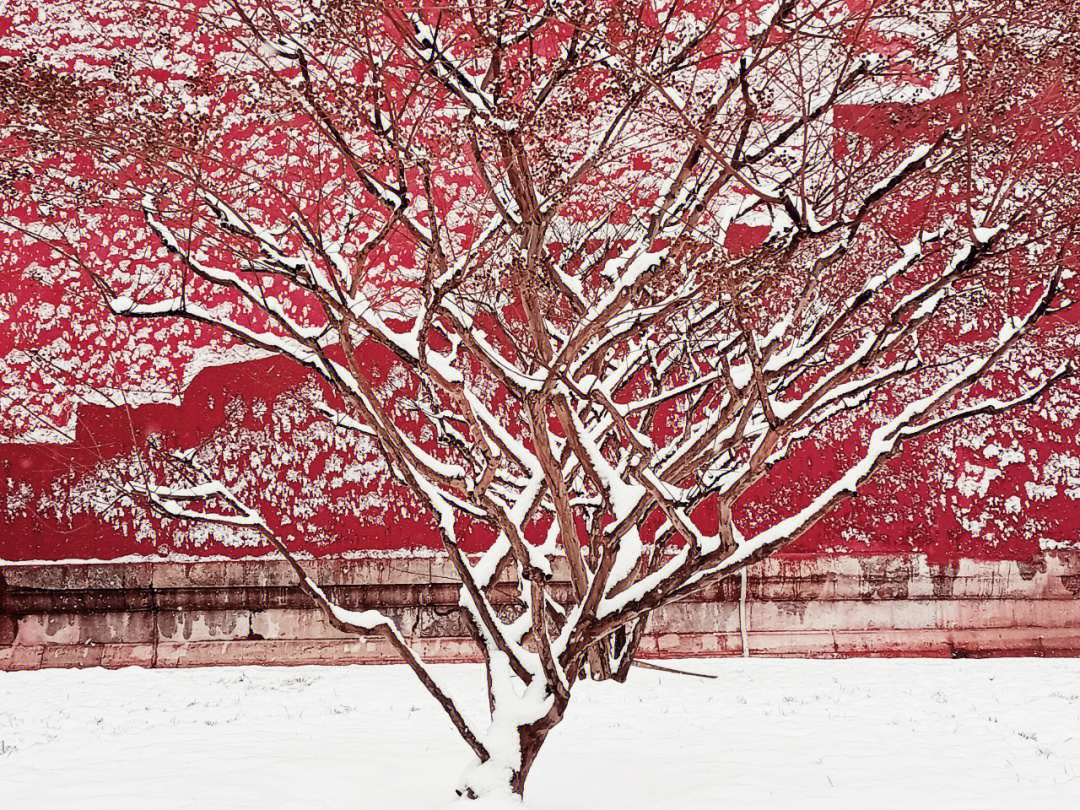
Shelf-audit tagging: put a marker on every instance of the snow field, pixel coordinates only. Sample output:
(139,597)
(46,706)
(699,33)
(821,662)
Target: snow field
(793,734)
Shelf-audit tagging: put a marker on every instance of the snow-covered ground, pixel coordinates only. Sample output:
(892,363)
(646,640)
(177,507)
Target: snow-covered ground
(777,734)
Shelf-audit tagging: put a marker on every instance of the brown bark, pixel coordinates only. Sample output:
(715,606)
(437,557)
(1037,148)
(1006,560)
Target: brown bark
(532,739)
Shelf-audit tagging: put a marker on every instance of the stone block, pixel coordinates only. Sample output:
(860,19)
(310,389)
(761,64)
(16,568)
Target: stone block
(17,657)
(84,628)
(292,623)
(114,656)
(71,655)
(8,629)
(203,625)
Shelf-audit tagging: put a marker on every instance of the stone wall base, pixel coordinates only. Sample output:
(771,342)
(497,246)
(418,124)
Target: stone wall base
(233,613)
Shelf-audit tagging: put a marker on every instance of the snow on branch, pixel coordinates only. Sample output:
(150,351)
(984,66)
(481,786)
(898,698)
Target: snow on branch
(576,271)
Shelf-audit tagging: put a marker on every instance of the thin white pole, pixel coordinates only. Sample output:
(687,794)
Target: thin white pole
(743,621)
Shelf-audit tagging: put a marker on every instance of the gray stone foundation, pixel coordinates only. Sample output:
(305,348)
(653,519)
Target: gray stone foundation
(169,614)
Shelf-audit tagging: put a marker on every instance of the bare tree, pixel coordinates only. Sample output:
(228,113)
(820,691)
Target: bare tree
(631,257)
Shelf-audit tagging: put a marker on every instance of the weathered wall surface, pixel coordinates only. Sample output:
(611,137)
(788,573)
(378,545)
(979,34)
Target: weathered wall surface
(975,491)
(167,614)
(83,393)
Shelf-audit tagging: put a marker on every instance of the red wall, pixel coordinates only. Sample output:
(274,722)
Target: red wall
(957,495)
(1007,488)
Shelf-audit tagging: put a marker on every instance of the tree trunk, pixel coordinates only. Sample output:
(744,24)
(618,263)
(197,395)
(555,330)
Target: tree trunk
(495,776)
(532,739)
